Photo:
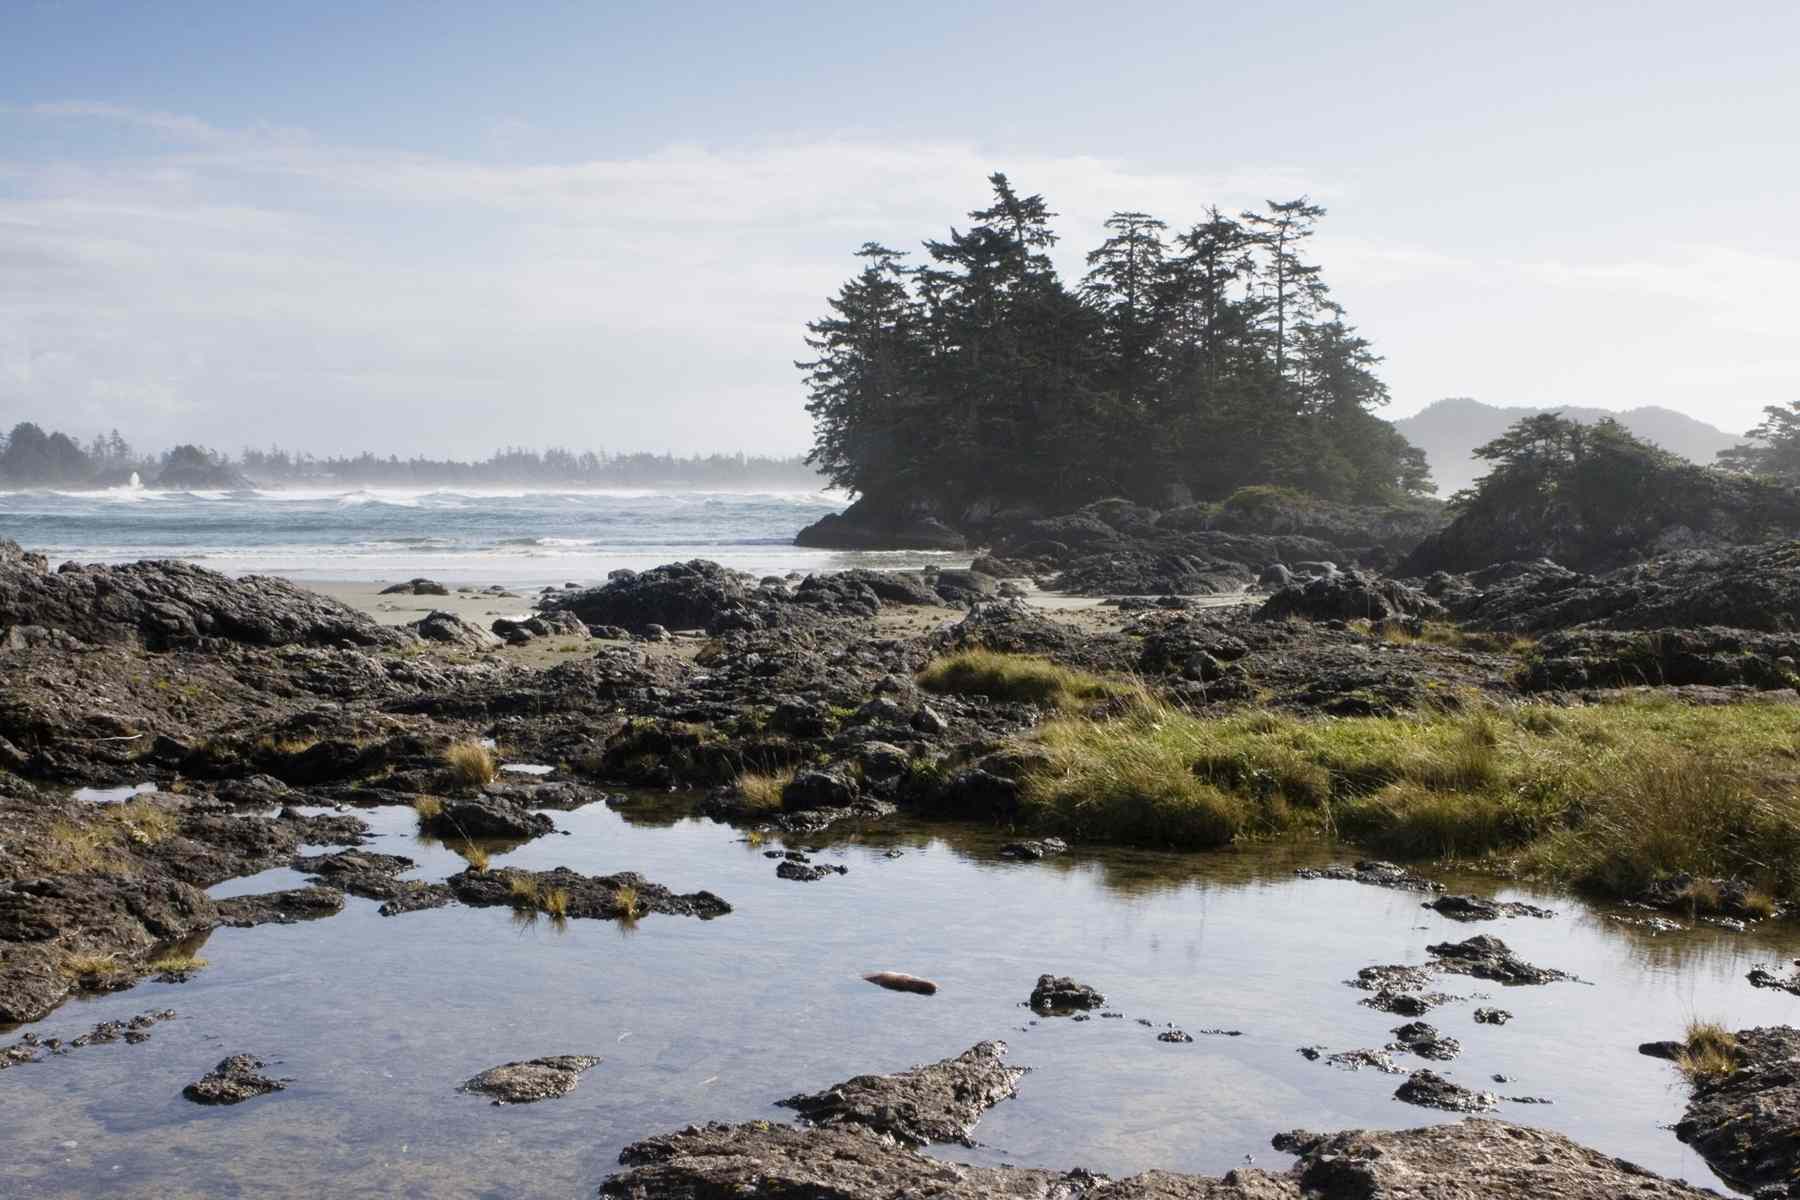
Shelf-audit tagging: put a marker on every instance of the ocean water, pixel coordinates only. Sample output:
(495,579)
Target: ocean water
(516,537)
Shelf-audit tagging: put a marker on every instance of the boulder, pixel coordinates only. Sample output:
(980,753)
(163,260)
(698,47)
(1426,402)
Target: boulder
(448,629)
(235,1080)
(528,1082)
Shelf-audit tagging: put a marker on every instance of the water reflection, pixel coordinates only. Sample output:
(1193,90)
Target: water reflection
(377,1019)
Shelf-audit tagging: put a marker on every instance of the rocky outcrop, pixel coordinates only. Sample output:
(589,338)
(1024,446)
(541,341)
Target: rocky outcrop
(600,897)
(939,1102)
(451,631)
(1060,994)
(1485,957)
(529,1082)
(1746,1124)
(1475,1158)
(233,1081)
(280,908)
(1347,596)
(164,604)
(485,816)
(881,524)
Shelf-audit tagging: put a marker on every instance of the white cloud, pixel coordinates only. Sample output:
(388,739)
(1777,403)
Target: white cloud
(233,286)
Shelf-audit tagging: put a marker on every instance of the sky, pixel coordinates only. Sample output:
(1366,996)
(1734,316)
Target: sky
(444,226)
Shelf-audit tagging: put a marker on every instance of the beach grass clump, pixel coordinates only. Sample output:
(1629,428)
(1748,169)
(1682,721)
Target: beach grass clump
(526,893)
(761,790)
(102,844)
(1609,798)
(471,763)
(556,902)
(428,807)
(1020,678)
(477,858)
(175,963)
(82,966)
(630,906)
(1709,1052)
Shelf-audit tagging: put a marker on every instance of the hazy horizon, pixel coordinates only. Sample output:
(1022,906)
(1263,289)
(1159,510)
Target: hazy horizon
(350,229)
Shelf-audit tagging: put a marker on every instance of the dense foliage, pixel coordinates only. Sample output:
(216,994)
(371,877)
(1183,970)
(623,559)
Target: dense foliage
(1201,360)
(1773,447)
(1594,495)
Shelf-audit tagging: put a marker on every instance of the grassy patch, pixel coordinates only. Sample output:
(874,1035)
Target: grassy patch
(1443,633)
(627,899)
(556,902)
(428,807)
(1022,678)
(1609,798)
(102,845)
(80,966)
(475,856)
(471,763)
(762,790)
(1709,1052)
(175,964)
(525,891)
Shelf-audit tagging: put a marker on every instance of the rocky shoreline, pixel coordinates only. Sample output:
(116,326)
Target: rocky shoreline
(164,728)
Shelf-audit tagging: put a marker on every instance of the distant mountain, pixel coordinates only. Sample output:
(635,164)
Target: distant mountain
(1450,430)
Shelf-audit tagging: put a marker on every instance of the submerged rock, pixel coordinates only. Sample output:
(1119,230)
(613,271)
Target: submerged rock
(940,1102)
(1481,908)
(529,1082)
(1428,1089)
(1374,873)
(1354,1060)
(601,897)
(1060,994)
(233,1081)
(807,872)
(1034,849)
(281,908)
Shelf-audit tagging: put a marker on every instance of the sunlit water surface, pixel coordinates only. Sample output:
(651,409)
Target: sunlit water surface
(377,1020)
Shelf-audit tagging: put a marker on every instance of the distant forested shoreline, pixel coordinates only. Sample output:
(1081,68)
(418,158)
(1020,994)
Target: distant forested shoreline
(32,457)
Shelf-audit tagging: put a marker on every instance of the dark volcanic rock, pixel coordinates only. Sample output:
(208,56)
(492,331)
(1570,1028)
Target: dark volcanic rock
(281,908)
(163,604)
(1428,1089)
(448,629)
(940,1102)
(416,587)
(529,1082)
(1347,596)
(360,872)
(1480,908)
(808,873)
(486,816)
(882,524)
(1492,1016)
(1763,977)
(1747,1124)
(688,595)
(1475,1159)
(1034,849)
(233,1081)
(1487,957)
(830,787)
(1059,994)
(600,897)
(1354,1060)
(1425,1041)
(1375,873)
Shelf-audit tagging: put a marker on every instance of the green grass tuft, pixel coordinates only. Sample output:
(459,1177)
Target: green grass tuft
(1709,1052)
(1022,678)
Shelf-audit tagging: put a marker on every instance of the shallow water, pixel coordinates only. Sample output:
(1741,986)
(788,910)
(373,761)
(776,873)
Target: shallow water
(377,1020)
(112,795)
(517,537)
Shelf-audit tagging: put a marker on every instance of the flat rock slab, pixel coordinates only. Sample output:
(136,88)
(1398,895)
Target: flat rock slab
(233,1081)
(281,908)
(1428,1089)
(1747,1125)
(1470,1160)
(940,1102)
(600,897)
(1060,994)
(529,1082)
(1374,873)
(1480,908)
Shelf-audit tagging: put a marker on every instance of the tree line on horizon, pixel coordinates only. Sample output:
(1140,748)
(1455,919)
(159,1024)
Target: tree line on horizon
(31,456)
(1187,361)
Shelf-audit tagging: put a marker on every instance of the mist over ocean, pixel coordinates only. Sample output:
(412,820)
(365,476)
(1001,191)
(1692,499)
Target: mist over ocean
(514,536)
